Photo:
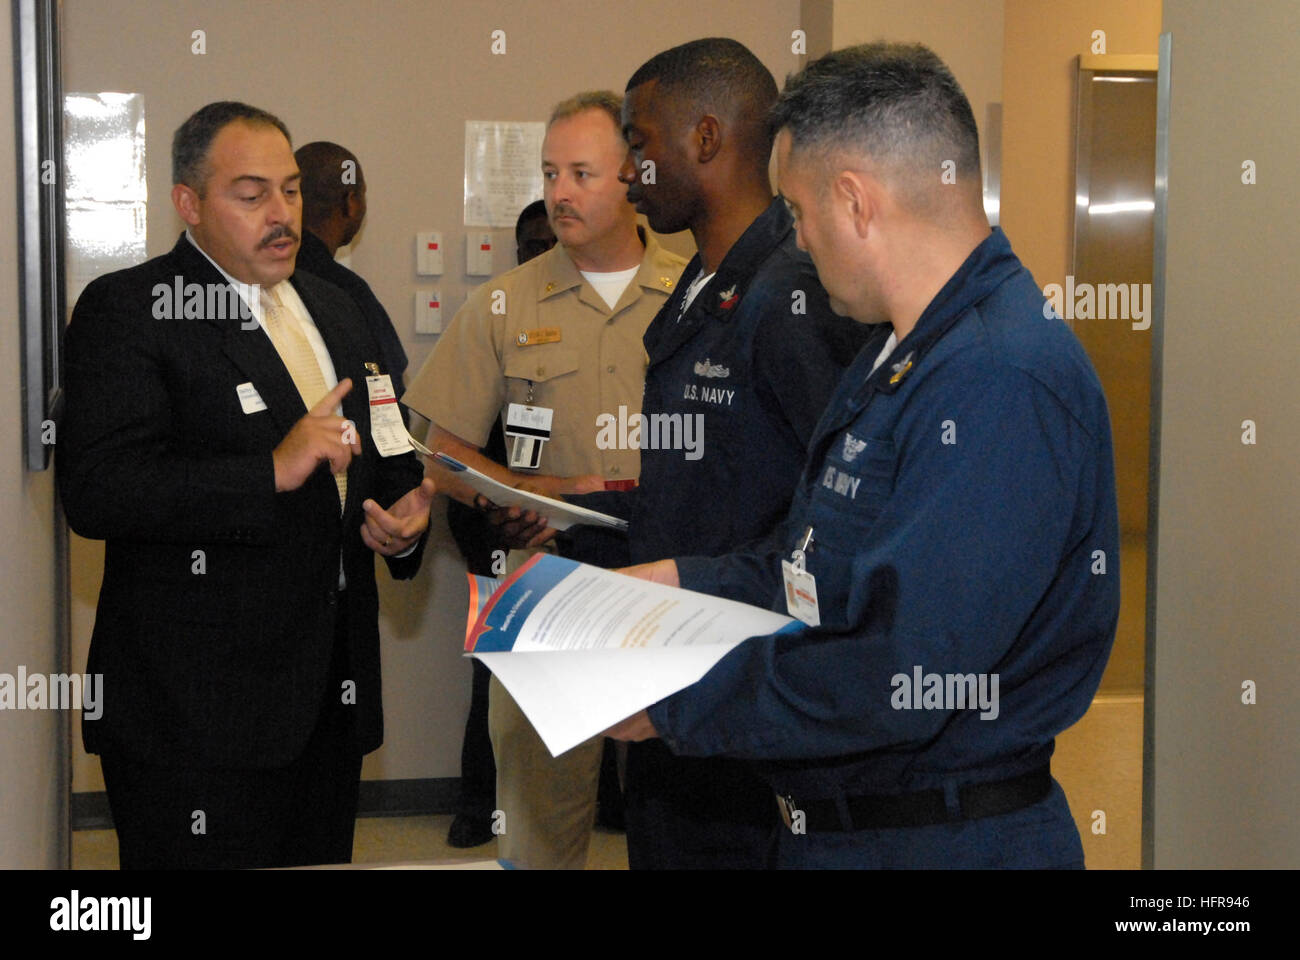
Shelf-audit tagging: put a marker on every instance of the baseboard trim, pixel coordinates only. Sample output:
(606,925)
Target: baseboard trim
(430,796)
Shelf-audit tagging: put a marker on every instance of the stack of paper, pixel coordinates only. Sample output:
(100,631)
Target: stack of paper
(559,514)
(581,648)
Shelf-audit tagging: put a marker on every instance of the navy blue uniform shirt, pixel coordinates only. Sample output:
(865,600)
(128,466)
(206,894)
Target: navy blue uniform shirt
(962,500)
(744,375)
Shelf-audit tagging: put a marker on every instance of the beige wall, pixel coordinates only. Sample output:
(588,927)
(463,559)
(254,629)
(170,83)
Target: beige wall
(966,34)
(395,80)
(817,20)
(1222,789)
(1042,39)
(1099,761)
(1021,54)
(33,743)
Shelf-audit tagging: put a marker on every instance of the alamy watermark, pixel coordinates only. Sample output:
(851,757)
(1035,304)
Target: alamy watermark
(1105,301)
(658,431)
(126,914)
(206,301)
(945,691)
(55,691)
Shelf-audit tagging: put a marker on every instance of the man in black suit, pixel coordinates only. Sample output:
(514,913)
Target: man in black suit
(203,439)
(333,208)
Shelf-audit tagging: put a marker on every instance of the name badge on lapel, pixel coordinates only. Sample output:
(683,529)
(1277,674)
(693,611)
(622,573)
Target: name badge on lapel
(249,398)
(529,338)
(527,428)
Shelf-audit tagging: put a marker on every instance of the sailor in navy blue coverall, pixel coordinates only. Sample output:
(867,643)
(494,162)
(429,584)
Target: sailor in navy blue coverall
(759,377)
(749,363)
(958,515)
(971,557)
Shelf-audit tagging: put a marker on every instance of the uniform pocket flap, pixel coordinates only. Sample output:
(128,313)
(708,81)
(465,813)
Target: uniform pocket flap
(541,363)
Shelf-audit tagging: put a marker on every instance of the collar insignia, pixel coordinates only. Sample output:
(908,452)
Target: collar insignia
(900,369)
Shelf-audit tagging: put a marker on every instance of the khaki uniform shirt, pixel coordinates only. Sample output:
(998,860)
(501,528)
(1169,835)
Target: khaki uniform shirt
(541,326)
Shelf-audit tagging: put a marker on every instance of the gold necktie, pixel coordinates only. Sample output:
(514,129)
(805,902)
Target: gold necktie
(300,360)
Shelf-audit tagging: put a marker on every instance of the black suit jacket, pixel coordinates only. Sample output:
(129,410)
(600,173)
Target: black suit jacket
(216,615)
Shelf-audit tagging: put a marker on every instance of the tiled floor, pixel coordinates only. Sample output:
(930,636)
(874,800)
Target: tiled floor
(1098,762)
(378,840)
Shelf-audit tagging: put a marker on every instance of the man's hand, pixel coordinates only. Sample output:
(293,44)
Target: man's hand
(318,436)
(635,727)
(516,528)
(389,532)
(520,529)
(660,571)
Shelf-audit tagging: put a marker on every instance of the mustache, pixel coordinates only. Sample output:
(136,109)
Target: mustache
(278,233)
(564,210)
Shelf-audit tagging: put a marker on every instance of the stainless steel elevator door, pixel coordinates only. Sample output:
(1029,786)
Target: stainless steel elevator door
(1110,309)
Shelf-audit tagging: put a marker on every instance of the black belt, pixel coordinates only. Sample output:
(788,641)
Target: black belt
(921,809)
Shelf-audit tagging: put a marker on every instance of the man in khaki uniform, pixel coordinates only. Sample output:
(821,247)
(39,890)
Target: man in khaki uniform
(561,332)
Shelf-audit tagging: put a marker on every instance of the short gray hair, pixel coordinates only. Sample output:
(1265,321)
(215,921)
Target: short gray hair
(898,104)
(606,100)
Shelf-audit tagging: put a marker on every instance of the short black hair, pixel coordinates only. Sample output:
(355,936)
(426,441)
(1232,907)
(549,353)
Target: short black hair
(716,75)
(534,211)
(896,103)
(323,190)
(194,137)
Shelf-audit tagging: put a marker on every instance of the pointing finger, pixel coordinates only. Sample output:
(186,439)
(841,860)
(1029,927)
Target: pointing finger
(326,404)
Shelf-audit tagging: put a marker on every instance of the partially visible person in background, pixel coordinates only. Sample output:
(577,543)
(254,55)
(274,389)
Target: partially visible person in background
(533,233)
(333,207)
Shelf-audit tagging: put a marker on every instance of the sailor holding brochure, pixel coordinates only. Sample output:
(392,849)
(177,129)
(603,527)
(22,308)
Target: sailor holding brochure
(955,530)
(547,347)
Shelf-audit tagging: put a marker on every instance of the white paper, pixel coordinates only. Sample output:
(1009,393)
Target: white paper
(558,514)
(503,170)
(581,648)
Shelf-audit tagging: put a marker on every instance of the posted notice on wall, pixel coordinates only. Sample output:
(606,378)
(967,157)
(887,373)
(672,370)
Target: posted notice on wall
(503,170)
(581,648)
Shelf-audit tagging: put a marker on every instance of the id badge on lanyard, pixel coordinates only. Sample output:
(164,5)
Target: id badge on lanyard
(800,585)
(387,429)
(527,430)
